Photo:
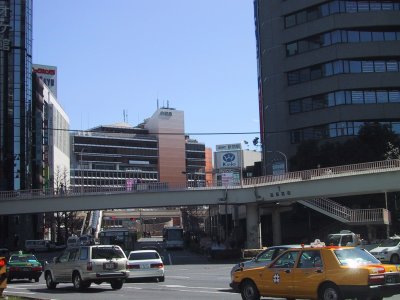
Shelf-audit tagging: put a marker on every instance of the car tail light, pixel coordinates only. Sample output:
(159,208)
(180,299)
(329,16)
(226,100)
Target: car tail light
(375,279)
(133,266)
(89,266)
(2,262)
(37,268)
(159,265)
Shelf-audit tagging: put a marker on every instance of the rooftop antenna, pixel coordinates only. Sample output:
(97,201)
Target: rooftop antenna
(157,103)
(167,103)
(126,114)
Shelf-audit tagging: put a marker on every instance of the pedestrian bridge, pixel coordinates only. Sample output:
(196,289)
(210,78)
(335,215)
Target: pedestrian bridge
(356,179)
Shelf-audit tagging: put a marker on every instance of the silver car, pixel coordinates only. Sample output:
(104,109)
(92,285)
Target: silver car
(262,259)
(85,265)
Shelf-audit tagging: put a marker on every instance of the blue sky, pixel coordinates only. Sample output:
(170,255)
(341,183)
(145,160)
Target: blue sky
(121,55)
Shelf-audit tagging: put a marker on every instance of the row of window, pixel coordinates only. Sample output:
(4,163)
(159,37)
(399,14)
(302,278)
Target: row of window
(336,7)
(339,36)
(342,67)
(343,98)
(333,130)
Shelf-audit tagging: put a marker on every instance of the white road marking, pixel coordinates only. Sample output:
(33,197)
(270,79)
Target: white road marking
(185,277)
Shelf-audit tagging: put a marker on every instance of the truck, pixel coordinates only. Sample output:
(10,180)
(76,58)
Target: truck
(173,237)
(343,238)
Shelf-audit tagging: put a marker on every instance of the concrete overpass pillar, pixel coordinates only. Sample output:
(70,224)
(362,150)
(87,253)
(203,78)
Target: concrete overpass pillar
(276,227)
(253,226)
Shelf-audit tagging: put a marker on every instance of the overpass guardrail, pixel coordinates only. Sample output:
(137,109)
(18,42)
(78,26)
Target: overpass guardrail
(313,174)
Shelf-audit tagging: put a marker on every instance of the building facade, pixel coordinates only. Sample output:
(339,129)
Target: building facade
(324,69)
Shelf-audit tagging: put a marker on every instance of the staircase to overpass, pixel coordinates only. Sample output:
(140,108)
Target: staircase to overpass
(374,216)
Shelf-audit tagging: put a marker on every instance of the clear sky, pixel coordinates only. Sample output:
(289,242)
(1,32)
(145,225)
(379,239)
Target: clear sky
(111,56)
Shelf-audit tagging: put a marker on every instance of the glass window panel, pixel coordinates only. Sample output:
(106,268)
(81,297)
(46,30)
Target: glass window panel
(394,96)
(398,36)
(326,39)
(363,6)
(357,127)
(307,104)
(304,75)
(375,5)
(301,17)
(380,66)
(353,36)
(315,42)
(315,73)
(367,66)
(338,67)
(355,66)
(348,97)
(312,14)
(319,102)
(334,7)
(340,97)
(369,97)
(332,130)
(324,10)
(331,99)
(365,36)
(291,49)
(392,66)
(335,37)
(328,69)
(382,96)
(295,137)
(351,6)
(341,129)
(290,20)
(387,6)
(344,36)
(357,97)
(390,36)
(377,36)
(295,106)
(303,46)
(293,77)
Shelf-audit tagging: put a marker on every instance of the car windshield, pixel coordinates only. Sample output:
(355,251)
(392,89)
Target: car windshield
(143,256)
(16,258)
(354,257)
(390,243)
(107,253)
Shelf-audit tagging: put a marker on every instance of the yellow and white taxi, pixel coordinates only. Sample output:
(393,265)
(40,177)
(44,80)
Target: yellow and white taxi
(320,273)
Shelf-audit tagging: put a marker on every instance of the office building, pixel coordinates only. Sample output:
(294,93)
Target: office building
(155,151)
(324,69)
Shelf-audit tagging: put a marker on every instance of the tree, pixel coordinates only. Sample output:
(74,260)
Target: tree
(374,142)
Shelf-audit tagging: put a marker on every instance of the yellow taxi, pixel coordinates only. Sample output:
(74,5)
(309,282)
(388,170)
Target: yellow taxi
(320,272)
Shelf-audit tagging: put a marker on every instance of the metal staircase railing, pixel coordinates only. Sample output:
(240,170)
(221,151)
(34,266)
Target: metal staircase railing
(347,215)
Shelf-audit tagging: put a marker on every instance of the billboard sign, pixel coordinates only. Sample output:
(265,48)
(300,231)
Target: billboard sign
(228,147)
(48,74)
(227,160)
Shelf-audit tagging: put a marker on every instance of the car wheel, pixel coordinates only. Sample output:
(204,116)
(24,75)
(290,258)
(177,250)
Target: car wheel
(117,284)
(249,291)
(77,281)
(329,291)
(51,285)
(394,259)
(161,279)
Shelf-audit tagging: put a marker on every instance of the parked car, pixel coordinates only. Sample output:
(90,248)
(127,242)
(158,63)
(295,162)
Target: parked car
(23,266)
(331,272)
(146,264)
(262,259)
(84,265)
(388,250)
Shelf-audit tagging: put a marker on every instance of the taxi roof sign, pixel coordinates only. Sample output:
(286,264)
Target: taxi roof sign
(317,243)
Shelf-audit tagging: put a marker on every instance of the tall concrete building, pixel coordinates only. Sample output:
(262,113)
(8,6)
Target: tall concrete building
(324,69)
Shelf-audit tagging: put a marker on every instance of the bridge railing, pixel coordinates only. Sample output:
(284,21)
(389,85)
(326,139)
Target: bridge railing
(320,173)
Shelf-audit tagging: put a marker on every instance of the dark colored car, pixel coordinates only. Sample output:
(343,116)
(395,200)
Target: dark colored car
(23,266)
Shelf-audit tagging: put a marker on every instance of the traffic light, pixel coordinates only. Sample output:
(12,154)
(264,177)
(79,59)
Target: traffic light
(3,275)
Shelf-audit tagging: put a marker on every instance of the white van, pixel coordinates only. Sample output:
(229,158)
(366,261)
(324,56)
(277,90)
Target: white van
(39,245)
